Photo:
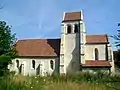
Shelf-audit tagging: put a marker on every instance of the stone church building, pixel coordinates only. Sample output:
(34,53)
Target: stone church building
(75,51)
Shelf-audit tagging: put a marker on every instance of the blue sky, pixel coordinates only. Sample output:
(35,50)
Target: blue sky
(42,18)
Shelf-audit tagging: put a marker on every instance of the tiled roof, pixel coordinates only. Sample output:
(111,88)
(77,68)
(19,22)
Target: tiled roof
(49,47)
(70,16)
(96,63)
(38,47)
(96,39)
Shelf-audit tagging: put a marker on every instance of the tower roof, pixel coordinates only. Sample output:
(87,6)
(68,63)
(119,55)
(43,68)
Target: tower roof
(72,16)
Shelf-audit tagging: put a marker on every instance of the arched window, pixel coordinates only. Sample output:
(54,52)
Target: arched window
(76,28)
(96,54)
(17,63)
(51,64)
(69,28)
(33,64)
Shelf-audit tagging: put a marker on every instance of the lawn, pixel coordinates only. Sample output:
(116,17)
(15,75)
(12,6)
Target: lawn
(80,81)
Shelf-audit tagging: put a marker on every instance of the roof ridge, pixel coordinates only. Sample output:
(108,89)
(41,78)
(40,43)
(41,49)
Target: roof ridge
(96,34)
(40,39)
(73,11)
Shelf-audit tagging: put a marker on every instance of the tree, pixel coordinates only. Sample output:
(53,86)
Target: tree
(7,46)
(117,38)
(117,44)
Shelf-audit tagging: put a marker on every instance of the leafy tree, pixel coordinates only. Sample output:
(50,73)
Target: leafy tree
(117,38)
(117,44)
(7,44)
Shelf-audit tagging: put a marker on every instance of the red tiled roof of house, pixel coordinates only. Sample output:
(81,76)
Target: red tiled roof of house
(38,47)
(96,39)
(70,16)
(96,63)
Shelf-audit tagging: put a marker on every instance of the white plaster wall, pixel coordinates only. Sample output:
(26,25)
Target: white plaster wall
(71,53)
(111,59)
(46,69)
(82,41)
(91,70)
(90,51)
(68,60)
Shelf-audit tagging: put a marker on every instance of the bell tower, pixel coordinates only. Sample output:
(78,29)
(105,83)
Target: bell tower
(73,40)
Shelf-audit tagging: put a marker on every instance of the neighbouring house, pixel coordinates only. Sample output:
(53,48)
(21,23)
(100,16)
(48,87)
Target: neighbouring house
(75,51)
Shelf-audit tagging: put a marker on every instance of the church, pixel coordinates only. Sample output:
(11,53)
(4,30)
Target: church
(75,51)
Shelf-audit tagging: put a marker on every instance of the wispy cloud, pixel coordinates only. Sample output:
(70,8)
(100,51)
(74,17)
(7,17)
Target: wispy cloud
(49,15)
(42,18)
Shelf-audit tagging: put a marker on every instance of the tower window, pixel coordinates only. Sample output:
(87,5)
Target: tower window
(69,29)
(51,64)
(76,28)
(17,63)
(96,54)
(33,64)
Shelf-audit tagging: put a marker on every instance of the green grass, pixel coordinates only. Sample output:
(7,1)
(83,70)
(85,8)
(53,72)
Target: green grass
(80,81)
